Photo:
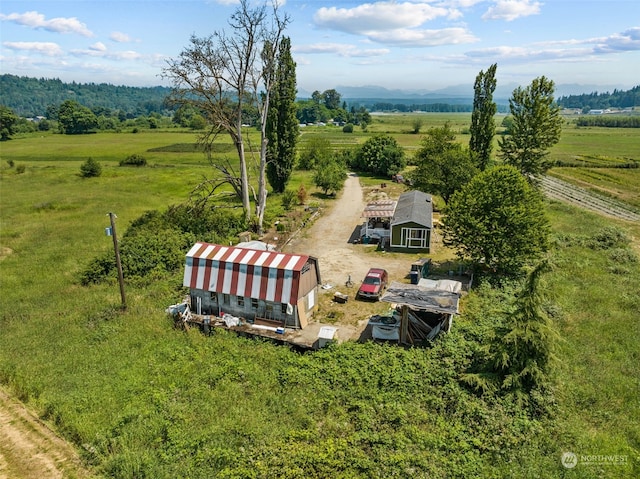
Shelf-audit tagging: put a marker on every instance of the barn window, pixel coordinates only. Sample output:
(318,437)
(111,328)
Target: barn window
(269,308)
(240,300)
(254,303)
(226,299)
(213,297)
(283,308)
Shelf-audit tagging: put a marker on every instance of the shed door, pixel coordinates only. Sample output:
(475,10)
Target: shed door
(414,238)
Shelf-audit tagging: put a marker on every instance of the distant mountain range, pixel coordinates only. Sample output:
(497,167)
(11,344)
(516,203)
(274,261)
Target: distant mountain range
(462,93)
(31,97)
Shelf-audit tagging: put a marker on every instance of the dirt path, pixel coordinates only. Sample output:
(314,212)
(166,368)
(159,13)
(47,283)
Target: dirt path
(29,449)
(328,240)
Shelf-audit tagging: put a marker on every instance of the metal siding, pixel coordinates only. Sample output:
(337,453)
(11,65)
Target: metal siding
(279,281)
(242,280)
(256,280)
(287,283)
(207,274)
(234,279)
(271,284)
(263,275)
(264,282)
(228,277)
(186,279)
(249,281)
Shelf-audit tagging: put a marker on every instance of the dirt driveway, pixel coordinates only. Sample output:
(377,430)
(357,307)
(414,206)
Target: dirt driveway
(29,449)
(328,240)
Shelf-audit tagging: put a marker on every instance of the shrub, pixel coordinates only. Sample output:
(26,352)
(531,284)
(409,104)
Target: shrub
(10,163)
(302,195)
(348,128)
(90,168)
(288,199)
(134,160)
(609,237)
(623,256)
(20,169)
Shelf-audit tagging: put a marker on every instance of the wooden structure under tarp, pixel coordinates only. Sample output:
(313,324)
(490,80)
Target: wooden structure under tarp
(425,309)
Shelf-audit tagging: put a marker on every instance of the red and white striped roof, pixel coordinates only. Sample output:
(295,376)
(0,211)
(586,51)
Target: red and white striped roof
(267,275)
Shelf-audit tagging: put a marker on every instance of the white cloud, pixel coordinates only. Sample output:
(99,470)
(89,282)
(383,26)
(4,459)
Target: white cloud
(44,48)
(424,38)
(629,40)
(98,47)
(511,9)
(398,24)
(339,49)
(96,51)
(280,3)
(120,37)
(58,25)
(586,50)
(379,16)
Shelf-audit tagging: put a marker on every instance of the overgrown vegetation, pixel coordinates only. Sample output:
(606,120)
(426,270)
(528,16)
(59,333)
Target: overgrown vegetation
(140,399)
(155,244)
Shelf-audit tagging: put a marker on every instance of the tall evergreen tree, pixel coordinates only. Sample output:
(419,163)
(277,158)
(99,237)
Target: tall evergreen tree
(535,128)
(482,123)
(282,124)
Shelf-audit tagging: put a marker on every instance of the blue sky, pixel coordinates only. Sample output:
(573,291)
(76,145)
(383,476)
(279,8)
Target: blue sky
(405,44)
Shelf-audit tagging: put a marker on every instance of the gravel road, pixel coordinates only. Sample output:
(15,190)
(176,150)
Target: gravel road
(328,240)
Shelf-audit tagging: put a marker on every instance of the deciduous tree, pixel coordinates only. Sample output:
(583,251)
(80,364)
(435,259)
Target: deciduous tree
(498,220)
(330,174)
(74,119)
(381,155)
(8,119)
(536,127)
(482,122)
(225,75)
(443,165)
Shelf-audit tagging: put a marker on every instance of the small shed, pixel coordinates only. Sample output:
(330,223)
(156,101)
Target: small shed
(426,309)
(258,285)
(412,223)
(377,216)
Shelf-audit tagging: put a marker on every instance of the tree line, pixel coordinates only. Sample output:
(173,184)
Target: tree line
(31,97)
(601,101)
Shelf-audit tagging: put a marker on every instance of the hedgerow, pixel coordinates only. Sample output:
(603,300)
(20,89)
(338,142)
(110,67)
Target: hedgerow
(157,242)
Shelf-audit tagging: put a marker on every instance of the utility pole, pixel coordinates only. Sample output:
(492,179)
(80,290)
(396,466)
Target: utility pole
(112,217)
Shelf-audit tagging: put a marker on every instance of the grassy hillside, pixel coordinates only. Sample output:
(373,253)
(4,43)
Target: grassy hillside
(141,399)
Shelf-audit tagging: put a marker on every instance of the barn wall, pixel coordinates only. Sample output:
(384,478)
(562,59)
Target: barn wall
(308,279)
(217,304)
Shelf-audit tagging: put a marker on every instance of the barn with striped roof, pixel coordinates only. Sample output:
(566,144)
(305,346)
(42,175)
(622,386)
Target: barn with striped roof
(279,288)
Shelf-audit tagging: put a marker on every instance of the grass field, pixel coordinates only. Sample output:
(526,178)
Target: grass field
(140,399)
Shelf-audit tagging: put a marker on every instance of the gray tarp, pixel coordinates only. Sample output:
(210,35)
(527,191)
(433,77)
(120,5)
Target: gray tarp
(421,298)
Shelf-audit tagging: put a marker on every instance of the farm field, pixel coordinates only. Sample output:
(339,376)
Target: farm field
(137,398)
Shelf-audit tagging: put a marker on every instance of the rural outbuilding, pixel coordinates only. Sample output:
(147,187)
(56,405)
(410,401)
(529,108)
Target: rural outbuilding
(412,223)
(279,288)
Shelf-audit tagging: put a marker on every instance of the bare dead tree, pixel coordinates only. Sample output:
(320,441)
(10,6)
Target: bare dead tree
(224,73)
